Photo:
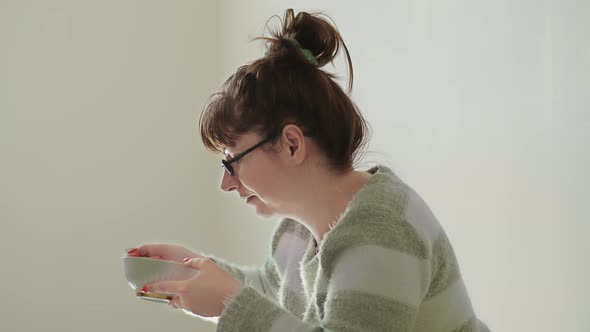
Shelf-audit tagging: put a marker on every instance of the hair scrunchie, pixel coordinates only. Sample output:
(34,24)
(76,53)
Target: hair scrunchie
(306,53)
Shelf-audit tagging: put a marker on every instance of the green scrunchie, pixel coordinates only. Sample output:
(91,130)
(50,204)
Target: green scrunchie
(306,53)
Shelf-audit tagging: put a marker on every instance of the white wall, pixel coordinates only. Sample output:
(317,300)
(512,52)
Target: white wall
(480,106)
(100,152)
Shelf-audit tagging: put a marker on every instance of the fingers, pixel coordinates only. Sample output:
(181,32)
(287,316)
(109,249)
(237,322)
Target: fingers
(165,251)
(175,303)
(166,286)
(197,263)
(169,287)
(135,252)
(151,250)
(132,252)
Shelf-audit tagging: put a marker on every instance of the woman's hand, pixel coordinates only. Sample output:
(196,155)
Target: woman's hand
(163,251)
(204,294)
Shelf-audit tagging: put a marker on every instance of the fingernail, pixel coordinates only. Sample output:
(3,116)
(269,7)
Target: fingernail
(186,259)
(144,289)
(134,254)
(132,250)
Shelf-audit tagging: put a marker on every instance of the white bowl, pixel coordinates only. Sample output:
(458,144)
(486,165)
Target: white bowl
(140,271)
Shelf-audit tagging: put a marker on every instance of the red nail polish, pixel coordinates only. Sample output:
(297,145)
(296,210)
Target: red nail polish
(144,289)
(134,254)
(132,250)
(186,259)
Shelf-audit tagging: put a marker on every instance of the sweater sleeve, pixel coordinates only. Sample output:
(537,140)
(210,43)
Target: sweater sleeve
(264,279)
(375,269)
(367,291)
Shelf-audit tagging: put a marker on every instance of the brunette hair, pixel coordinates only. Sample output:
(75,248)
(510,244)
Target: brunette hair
(285,87)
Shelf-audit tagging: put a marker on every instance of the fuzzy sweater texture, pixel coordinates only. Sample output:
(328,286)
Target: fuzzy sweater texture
(385,265)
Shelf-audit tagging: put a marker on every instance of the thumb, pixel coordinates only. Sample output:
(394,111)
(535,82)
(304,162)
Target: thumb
(198,263)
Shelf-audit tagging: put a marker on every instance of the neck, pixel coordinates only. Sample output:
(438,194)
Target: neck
(322,198)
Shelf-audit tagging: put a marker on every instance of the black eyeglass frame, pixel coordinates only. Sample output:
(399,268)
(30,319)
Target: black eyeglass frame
(226,164)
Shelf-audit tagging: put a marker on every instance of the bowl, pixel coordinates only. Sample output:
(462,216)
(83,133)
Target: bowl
(140,271)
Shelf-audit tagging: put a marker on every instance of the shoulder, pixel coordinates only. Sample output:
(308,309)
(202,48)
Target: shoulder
(385,215)
(288,228)
(289,242)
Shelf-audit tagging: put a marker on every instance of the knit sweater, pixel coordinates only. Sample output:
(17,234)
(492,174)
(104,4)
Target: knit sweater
(386,265)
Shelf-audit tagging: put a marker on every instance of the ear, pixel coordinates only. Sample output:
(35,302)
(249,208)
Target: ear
(294,144)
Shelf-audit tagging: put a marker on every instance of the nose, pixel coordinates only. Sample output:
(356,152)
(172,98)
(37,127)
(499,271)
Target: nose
(228,182)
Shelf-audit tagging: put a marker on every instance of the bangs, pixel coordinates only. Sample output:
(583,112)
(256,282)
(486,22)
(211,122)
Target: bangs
(217,123)
(231,112)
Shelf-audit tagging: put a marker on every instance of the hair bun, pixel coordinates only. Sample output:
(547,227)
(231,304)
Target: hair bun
(287,87)
(312,33)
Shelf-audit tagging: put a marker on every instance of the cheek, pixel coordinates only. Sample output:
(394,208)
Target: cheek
(263,181)
(250,178)
(256,184)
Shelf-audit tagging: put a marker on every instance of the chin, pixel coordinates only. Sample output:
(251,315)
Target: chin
(264,213)
(263,209)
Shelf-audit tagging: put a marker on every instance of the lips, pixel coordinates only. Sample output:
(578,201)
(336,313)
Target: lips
(247,198)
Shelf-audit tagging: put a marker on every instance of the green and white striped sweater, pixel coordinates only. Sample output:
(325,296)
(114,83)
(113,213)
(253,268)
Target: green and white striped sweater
(386,265)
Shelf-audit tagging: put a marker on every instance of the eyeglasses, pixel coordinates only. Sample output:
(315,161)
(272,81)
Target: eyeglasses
(226,164)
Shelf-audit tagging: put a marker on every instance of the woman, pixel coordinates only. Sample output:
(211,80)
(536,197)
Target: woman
(355,250)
